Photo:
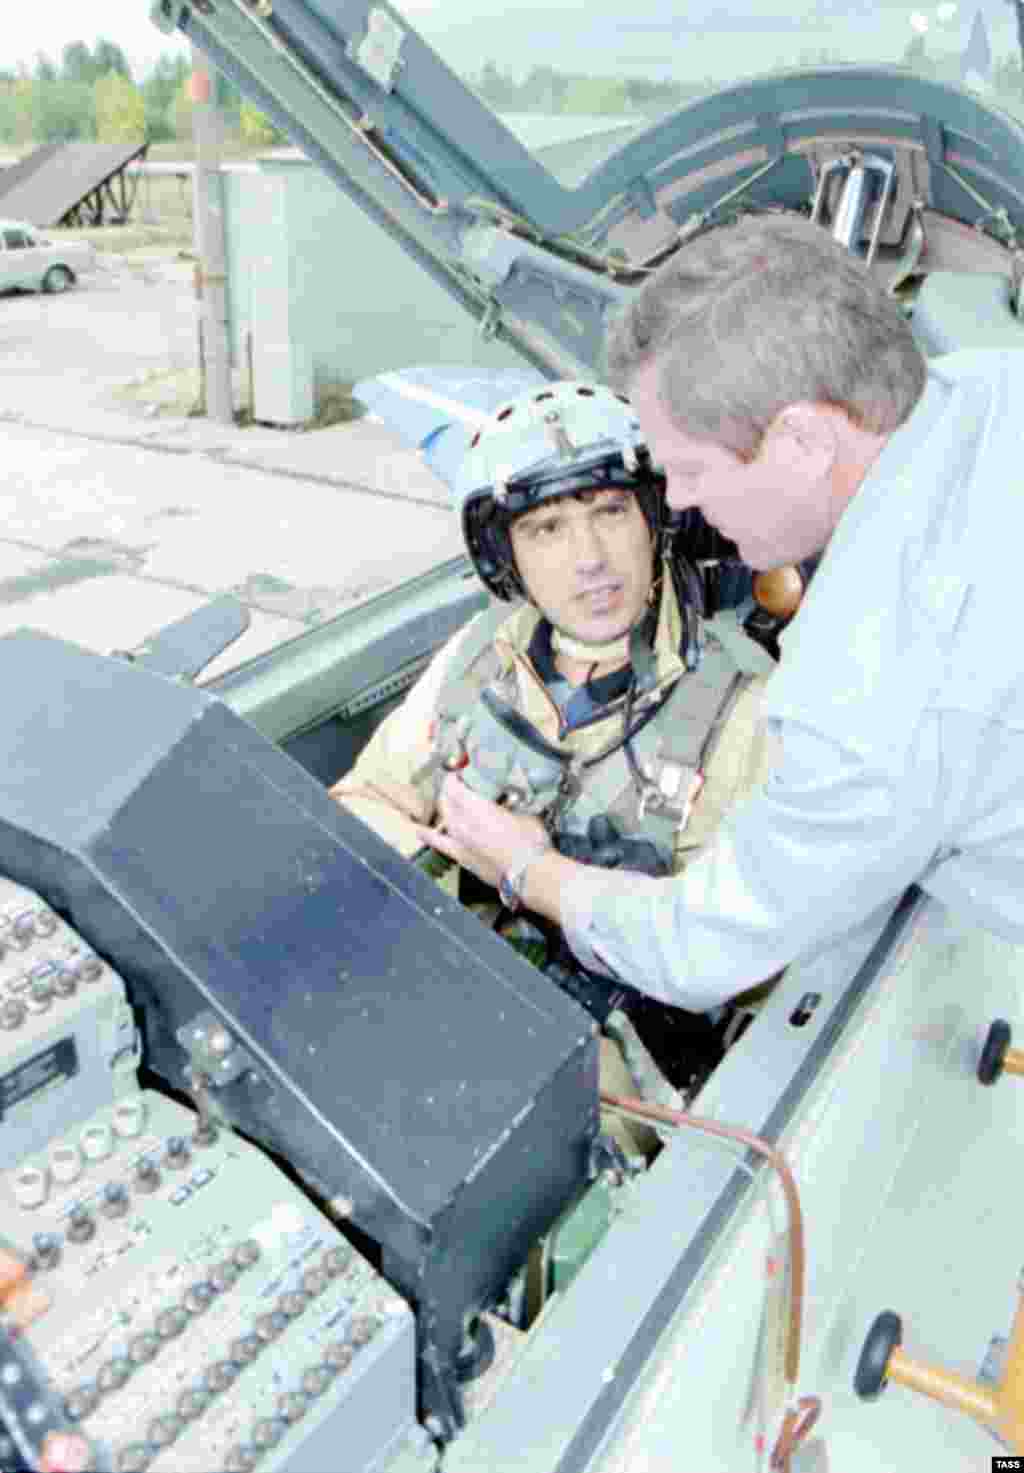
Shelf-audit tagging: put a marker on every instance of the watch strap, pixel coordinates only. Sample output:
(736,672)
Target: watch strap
(510,883)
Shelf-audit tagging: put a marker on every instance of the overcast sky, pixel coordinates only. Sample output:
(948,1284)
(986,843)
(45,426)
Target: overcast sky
(48,25)
(620,36)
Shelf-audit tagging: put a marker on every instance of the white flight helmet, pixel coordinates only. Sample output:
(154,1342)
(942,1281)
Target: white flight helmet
(565,437)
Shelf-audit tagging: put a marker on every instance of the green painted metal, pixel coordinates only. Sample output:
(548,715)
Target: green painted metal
(575,1236)
(304,681)
(514,247)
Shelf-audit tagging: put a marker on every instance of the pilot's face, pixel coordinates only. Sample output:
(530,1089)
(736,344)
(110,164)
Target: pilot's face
(777,507)
(586,561)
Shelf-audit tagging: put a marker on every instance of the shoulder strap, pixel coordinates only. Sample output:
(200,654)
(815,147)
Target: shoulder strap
(476,662)
(685,724)
(748,655)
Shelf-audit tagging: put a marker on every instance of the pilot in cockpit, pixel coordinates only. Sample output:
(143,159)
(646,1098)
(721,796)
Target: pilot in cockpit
(590,692)
(785,395)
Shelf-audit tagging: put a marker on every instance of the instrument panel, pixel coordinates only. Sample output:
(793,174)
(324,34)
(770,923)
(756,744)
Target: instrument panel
(231,1015)
(173,1297)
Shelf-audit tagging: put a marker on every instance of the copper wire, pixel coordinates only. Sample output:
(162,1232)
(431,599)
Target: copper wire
(801,1417)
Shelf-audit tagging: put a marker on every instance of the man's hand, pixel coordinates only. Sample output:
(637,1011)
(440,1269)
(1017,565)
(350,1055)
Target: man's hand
(481,835)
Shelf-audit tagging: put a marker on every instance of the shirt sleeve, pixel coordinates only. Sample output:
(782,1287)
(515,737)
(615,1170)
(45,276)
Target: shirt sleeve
(821,845)
(380,787)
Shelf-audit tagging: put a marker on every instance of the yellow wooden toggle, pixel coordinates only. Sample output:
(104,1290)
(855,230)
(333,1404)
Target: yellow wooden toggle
(999,1408)
(1013,1061)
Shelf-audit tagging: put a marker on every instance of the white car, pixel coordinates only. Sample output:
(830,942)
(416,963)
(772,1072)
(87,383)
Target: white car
(31,261)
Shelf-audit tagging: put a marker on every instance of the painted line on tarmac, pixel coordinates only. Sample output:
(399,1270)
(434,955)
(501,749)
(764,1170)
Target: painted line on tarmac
(223,456)
(59,570)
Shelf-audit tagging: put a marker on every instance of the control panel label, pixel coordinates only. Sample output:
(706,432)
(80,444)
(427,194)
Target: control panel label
(58,1063)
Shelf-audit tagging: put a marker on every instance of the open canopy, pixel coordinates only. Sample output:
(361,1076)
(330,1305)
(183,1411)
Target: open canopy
(542,260)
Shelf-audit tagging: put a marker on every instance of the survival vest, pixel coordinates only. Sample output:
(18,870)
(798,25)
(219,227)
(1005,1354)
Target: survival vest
(677,722)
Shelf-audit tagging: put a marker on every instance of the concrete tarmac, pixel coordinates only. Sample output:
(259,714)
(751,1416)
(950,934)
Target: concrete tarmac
(115,520)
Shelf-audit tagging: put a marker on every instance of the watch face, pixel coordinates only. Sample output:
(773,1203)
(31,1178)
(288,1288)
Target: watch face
(506,894)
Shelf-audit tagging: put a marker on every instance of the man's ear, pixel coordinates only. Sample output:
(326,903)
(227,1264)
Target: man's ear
(805,439)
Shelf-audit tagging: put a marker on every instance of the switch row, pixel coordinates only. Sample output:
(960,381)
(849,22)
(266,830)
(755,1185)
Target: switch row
(267,1432)
(167,1326)
(34,991)
(242,1351)
(114,1203)
(18,932)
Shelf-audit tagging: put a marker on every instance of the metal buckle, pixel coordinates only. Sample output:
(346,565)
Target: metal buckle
(569,789)
(670,790)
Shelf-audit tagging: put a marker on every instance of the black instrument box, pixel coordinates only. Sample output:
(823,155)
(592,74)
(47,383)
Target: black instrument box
(403,1058)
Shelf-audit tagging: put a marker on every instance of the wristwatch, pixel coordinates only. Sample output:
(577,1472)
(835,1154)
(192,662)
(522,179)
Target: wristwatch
(510,884)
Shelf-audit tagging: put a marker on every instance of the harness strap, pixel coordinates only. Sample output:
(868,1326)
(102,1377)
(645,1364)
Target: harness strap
(670,747)
(747,655)
(676,738)
(477,663)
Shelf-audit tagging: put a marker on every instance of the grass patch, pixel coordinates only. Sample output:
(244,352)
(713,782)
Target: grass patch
(161,218)
(184,149)
(335,406)
(172,391)
(121,240)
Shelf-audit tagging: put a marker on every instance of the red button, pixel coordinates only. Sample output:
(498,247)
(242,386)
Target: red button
(65,1452)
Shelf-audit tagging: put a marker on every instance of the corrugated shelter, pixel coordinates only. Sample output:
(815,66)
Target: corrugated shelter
(71,184)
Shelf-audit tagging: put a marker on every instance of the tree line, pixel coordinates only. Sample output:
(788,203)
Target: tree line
(548,90)
(91,95)
(544,89)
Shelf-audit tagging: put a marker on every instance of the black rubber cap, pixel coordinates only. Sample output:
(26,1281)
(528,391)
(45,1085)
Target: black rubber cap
(869,1380)
(990,1065)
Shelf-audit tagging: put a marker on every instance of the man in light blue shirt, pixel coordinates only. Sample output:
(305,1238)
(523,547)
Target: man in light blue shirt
(781,390)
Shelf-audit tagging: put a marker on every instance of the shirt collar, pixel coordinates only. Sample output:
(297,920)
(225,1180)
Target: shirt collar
(896,455)
(602,691)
